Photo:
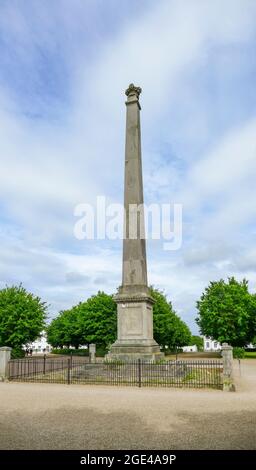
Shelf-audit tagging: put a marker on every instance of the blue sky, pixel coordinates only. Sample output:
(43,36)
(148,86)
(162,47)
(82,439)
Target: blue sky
(64,67)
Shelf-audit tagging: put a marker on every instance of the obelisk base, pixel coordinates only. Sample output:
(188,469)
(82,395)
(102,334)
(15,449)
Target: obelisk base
(134,351)
(135,331)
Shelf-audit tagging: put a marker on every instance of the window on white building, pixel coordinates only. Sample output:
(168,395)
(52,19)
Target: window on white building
(215,345)
(207,344)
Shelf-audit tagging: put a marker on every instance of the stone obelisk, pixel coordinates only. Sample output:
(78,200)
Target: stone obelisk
(134,303)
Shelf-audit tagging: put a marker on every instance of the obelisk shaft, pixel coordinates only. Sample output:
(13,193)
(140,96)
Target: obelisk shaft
(134,303)
(134,245)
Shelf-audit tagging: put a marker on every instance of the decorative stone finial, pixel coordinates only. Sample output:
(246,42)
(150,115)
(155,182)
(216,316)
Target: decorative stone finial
(133,90)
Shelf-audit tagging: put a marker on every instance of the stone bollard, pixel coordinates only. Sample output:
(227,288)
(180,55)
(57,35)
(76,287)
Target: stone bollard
(92,352)
(227,355)
(5,356)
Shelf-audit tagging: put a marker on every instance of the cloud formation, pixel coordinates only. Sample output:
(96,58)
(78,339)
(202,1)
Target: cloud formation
(63,71)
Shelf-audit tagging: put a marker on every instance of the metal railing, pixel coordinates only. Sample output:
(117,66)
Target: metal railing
(74,370)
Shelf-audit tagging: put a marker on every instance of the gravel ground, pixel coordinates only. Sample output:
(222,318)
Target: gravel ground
(53,416)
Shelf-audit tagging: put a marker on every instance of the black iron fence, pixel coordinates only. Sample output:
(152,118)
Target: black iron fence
(34,367)
(77,370)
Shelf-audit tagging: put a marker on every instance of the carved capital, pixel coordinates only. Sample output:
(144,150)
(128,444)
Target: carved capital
(133,90)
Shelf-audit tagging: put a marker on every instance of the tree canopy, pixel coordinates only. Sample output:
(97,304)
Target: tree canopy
(169,329)
(227,312)
(64,330)
(198,341)
(22,317)
(95,321)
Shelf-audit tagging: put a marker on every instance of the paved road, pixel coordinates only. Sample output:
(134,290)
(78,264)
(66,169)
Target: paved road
(52,416)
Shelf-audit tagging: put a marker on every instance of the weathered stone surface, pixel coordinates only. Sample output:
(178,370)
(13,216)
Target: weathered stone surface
(5,356)
(92,352)
(134,250)
(227,356)
(135,316)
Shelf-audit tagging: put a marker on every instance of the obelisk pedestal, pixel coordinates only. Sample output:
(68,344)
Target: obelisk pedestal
(134,303)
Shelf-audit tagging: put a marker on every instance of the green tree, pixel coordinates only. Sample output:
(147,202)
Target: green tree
(64,330)
(169,329)
(198,341)
(95,321)
(55,334)
(227,312)
(98,319)
(22,317)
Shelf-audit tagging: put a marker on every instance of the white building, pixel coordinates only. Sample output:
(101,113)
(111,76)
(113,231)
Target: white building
(40,345)
(192,348)
(211,345)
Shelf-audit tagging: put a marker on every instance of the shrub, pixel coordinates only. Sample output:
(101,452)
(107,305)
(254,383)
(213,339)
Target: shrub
(17,353)
(101,351)
(74,352)
(171,352)
(238,353)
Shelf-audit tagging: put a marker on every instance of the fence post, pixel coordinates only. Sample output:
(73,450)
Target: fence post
(5,356)
(139,371)
(44,362)
(227,355)
(69,370)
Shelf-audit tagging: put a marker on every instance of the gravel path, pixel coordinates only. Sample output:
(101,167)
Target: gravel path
(52,416)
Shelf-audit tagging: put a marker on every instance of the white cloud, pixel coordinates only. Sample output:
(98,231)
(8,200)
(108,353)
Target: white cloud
(74,150)
(231,162)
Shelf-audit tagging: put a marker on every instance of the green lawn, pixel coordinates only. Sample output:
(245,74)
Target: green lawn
(250,355)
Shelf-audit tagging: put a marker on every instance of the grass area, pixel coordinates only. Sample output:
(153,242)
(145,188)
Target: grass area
(250,355)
